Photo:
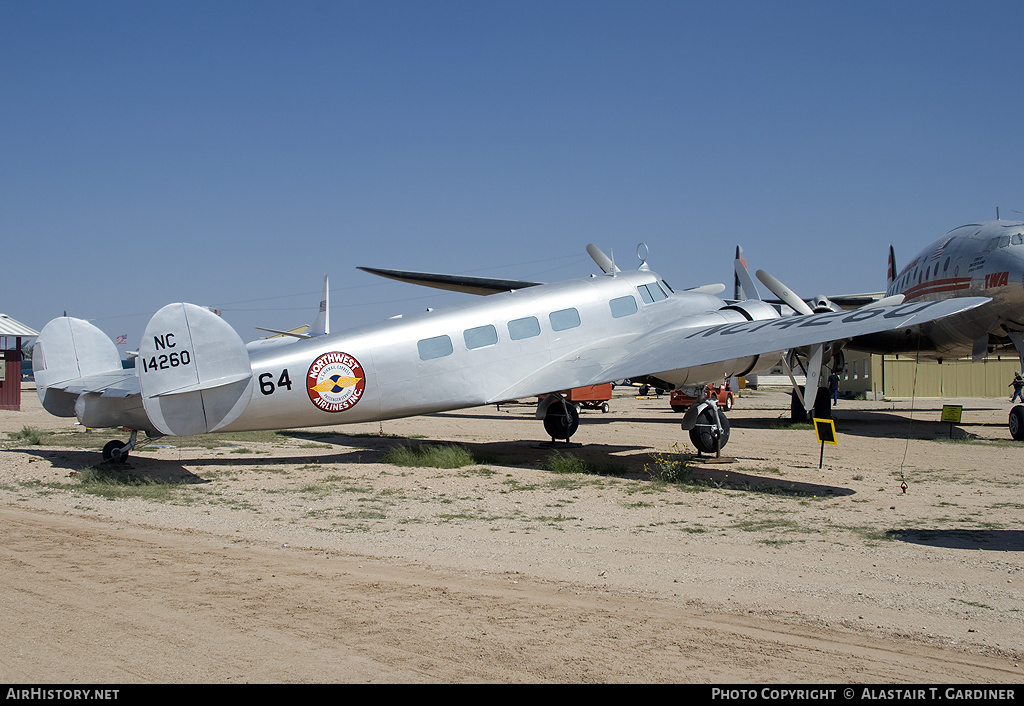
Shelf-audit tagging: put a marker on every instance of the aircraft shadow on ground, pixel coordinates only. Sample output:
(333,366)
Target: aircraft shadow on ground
(993,540)
(722,476)
(627,461)
(871,424)
(864,423)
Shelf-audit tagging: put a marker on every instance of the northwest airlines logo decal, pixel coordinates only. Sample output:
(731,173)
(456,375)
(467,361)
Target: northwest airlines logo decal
(335,382)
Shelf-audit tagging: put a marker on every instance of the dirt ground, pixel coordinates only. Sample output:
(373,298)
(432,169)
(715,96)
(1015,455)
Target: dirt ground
(304,557)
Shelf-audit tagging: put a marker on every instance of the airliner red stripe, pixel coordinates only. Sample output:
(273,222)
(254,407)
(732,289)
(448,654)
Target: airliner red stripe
(952,284)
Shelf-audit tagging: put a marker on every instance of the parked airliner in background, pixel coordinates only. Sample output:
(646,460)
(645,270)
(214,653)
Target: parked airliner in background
(977,260)
(194,374)
(981,259)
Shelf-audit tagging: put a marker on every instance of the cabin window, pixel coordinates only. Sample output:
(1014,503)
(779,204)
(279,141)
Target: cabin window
(945,267)
(1016,239)
(437,347)
(528,327)
(623,306)
(480,336)
(564,319)
(666,287)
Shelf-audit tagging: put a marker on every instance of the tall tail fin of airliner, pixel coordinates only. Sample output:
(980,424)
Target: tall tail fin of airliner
(891,274)
(193,370)
(743,286)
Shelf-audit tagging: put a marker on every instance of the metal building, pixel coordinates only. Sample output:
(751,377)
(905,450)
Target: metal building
(10,366)
(877,376)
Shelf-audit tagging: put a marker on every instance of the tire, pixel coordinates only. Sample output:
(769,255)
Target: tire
(1016,422)
(822,406)
(605,409)
(703,436)
(728,403)
(797,414)
(561,420)
(112,452)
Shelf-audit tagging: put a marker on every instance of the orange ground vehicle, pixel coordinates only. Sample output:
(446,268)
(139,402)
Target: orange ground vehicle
(590,397)
(723,391)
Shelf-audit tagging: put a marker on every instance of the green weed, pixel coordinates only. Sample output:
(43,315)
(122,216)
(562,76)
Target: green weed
(429,456)
(30,435)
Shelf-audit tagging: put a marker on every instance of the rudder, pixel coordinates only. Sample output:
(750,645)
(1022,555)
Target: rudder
(69,349)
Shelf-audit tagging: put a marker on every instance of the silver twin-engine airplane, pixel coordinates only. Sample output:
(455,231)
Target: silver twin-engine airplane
(194,374)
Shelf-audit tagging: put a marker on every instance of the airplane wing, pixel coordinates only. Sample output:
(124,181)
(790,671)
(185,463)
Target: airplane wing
(453,283)
(678,347)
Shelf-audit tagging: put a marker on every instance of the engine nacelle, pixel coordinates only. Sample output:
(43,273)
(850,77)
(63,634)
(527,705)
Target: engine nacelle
(822,305)
(752,310)
(98,412)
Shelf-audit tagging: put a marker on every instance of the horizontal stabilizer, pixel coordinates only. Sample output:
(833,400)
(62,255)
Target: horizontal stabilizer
(193,370)
(452,283)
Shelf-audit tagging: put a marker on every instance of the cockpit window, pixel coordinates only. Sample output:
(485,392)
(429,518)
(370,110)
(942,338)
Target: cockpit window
(651,293)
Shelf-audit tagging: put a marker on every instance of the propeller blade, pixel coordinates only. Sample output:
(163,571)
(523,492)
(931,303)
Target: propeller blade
(602,260)
(784,293)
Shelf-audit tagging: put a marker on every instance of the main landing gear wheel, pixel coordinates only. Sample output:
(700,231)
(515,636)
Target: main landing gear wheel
(113,453)
(705,436)
(561,420)
(822,406)
(1017,422)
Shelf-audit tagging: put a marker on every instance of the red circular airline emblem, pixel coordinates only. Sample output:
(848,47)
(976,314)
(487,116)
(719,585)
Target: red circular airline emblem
(335,382)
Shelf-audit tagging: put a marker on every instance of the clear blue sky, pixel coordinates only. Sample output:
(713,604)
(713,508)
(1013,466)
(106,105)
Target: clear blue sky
(232,153)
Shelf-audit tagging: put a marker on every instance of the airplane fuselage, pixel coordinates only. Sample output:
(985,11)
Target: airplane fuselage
(984,259)
(485,351)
